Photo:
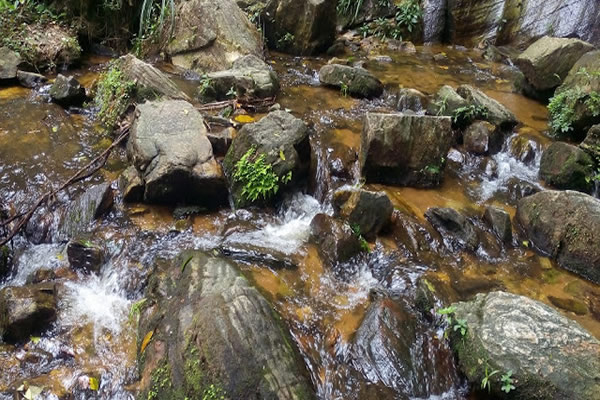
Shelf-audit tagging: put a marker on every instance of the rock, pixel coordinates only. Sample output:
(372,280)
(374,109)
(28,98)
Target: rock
(26,310)
(300,27)
(406,150)
(282,138)
(89,206)
(497,114)
(456,230)
(150,81)
(49,45)
(209,334)
(131,185)
(169,148)
(41,276)
(446,102)
(5,261)
(573,97)
(9,63)
(85,256)
(499,221)
(591,143)
(220,141)
(514,333)
(368,211)
(249,77)
(522,149)
(572,305)
(354,81)
(518,189)
(67,91)
(547,61)
(335,240)
(482,138)
(565,166)
(210,34)
(411,99)
(30,79)
(394,349)
(369,11)
(565,226)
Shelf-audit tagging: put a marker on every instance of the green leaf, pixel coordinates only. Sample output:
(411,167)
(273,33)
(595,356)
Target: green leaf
(281,155)
(55,129)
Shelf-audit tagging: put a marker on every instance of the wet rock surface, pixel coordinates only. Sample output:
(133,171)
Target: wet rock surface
(335,240)
(89,206)
(565,226)
(217,335)
(30,79)
(457,231)
(9,63)
(500,223)
(565,166)
(351,80)
(85,256)
(496,114)
(549,355)
(67,91)
(482,138)
(368,211)
(404,150)
(174,157)
(412,99)
(445,102)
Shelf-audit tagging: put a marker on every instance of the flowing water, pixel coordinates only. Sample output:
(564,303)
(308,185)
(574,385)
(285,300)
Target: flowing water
(41,145)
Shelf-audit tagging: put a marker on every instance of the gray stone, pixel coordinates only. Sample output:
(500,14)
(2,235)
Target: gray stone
(591,143)
(458,233)
(565,166)
(67,91)
(211,327)
(565,226)
(169,148)
(497,114)
(499,221)
(547,62)
(446,101)
(335,240)
(131,185)
(30,79)
(26,310)
(356,81)
(482,138)
(9,63)
(78,216)
(550,356)
(407,150)
(367,210)
(281,137)
(210,34)
(411,99)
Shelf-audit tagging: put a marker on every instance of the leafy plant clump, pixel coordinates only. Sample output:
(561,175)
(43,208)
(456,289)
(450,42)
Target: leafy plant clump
(464,116)
(364,245)
(257,177)
(114,95)
(405,22)
(457,324)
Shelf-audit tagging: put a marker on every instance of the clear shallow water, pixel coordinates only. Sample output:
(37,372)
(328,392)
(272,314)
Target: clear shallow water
(323,308)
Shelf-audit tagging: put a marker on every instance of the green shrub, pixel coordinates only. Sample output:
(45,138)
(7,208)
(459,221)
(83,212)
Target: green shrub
(464,116)
(257,177)
(406,20)
(114,95)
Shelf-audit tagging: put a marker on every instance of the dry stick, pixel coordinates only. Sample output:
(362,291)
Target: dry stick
(243,103)
(80,175)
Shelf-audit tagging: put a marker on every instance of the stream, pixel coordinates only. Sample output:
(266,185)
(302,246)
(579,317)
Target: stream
(41,145)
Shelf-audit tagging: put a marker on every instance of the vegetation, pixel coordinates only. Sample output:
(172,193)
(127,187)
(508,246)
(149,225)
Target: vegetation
(458,325)
(507,382)
(364,245)
(285,41)
(464,116)
(405,21)
(257,177)
(114,95)
(485,382)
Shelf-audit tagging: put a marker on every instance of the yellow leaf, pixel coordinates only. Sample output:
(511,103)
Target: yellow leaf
(146,340)
(244,119)
(281,155)
(36,339)
(55,129)
(443,66)
(94,383)
(186,112)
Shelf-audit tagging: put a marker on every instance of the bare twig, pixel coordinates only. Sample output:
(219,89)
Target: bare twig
(248,104)
(85,172)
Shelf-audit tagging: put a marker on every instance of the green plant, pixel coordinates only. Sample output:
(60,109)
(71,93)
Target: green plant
(408,15)
(485,381)
(463,116)
(349,8)
(114,95)
(344,89)
(232,93)
(257,176)
(205,83)
(507,382)
(364,245)
(213,392)
(136,309)
(461,326)
(285,41)
(149,14)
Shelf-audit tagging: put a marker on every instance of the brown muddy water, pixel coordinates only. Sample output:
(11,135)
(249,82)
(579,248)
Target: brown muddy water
(41,145)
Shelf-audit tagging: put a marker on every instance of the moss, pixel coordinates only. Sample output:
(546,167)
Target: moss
(114,95)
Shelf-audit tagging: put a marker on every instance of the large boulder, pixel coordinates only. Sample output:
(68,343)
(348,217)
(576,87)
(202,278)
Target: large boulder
(565,226)
(497,114)
(406,150)
(214,336)
(351,80)
(300,27)
(550,356)
(575,103)
(209,35)
(335,240)
(249,76)
(481,137)
(169,148)
(279,142)
(26,310)
(565,166)
(458,233)
(365,210)
(394,348)
(547,62)
(9,63)
(67,91)
(591,143)
(445,102)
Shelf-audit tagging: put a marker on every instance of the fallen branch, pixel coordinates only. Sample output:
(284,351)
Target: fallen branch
(247,104)
(85,172)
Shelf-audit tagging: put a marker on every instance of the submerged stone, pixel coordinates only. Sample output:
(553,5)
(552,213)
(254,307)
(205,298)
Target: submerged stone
(67,91)
(456,230)
(351,80)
